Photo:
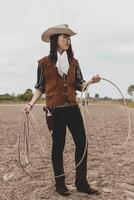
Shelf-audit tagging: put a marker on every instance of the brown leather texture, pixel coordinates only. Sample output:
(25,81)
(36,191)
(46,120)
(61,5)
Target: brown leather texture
(57,90)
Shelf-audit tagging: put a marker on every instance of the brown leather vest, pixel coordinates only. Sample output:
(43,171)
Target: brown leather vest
(57,90)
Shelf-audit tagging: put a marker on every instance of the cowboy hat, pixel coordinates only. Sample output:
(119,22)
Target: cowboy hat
(59,29)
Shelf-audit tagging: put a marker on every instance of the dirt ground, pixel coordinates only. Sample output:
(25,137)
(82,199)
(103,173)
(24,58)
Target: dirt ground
(110,171)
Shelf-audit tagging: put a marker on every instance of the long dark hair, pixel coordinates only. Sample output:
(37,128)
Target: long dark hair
(54,47)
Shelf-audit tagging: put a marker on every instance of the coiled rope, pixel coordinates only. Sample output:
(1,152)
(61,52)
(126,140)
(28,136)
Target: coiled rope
(89,114)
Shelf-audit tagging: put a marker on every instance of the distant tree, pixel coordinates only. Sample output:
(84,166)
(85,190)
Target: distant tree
(28,91)
(26,96)
(107,98)
(96,96)
(6,94)
(130,91)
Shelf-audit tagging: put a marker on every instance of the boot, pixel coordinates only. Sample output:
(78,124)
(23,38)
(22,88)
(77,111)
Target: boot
(82,185)
(61,187)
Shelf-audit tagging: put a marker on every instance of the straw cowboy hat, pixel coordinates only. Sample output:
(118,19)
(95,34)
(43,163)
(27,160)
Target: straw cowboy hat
(59,29)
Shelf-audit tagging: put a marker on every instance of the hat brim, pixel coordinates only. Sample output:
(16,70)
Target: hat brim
(52,31)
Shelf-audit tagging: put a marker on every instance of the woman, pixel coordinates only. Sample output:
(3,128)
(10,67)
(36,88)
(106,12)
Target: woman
(59,76)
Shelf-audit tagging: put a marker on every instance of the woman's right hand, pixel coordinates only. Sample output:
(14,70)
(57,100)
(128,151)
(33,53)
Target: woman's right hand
(26,109)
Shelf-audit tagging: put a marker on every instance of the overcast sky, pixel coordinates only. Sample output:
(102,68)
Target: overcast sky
(104,44)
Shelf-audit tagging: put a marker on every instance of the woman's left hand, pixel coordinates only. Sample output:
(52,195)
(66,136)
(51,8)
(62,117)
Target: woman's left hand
(96,79)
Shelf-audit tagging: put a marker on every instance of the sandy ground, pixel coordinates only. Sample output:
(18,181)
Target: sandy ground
(110,171)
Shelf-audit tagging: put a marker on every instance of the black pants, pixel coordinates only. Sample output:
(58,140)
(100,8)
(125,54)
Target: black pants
(71,117)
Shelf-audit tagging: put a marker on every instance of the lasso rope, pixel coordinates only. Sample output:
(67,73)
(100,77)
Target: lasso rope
(127,111)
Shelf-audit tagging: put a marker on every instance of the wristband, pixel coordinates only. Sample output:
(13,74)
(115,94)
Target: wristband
(30,105)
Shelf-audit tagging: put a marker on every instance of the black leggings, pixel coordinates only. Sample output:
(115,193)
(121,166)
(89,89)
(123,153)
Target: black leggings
(71,117)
